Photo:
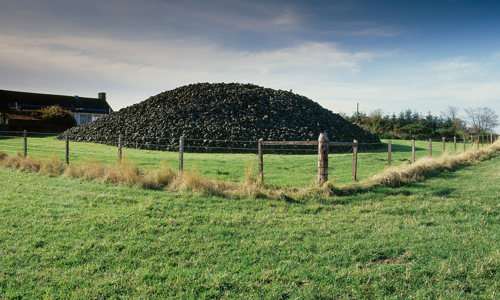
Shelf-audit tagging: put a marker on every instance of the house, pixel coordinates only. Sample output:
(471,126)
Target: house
(15,105)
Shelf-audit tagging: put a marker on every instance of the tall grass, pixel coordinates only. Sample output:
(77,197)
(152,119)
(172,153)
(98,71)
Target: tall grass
(422,169)
(192,181)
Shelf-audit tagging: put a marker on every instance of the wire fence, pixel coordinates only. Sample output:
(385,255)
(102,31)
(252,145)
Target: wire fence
(276,162)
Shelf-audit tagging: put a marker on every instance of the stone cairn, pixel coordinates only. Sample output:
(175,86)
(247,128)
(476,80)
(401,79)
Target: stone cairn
(219,116)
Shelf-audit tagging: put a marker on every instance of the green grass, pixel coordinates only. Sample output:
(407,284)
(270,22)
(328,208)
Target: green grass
(279,169)
(63,238)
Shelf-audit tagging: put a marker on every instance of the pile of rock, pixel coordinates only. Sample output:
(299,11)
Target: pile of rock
(214,113)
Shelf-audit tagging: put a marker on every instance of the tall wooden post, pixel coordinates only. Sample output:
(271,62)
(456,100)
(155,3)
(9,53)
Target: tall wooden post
(261,162)
(444,144)
(413,150)
(389,152)
(454,144)
(430,147)
(181,153)
(464,143)
(120,144)
(322,158)
(25,137)
(355,160)
(67,149)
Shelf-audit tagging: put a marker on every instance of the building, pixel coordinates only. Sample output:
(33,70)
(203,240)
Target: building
(15,105)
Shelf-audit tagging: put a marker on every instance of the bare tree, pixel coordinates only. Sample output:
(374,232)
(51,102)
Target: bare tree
(451,112)
(481,119)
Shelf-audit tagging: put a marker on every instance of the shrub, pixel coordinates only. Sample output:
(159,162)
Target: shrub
(56,116)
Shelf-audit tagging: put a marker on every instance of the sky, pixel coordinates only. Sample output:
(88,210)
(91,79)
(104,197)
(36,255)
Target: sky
(390,55)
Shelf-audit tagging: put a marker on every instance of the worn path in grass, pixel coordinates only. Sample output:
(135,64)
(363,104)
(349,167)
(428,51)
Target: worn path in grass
(63,237)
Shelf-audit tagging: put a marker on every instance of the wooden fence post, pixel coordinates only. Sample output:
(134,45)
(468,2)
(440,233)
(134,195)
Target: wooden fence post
(25,137)
(413,150)
(389,152)
(120,143)
(261,162)
(430,147)
(67,149)
(454,144)
(355,160)
(444,144)
(464,143)
(322,158)
(181,153)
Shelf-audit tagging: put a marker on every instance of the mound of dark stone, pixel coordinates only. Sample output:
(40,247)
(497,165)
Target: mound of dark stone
(216,116)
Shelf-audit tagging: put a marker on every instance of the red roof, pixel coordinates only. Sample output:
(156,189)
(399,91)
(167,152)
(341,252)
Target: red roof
(20,117)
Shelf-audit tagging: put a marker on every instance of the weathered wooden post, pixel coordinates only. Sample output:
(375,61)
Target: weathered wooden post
(444,144)
(492,138)
(413,150)
(120,144)
(355,160)
(454,144)
(464,143)
(430,147)
(181,153)
(389,152)
(25,137)
(67,149)
(322,158)
(261,162)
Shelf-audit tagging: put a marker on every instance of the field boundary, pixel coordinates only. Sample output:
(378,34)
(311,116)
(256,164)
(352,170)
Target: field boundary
(322,148)
(165,178)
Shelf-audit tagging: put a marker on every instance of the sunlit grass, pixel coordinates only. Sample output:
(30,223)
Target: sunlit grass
(63,237)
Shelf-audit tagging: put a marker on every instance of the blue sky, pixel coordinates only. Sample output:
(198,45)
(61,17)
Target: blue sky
(389,55)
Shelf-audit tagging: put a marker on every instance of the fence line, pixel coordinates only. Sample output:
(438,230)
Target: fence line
(280,149)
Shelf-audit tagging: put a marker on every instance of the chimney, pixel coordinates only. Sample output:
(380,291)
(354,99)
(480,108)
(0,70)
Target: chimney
(101,96)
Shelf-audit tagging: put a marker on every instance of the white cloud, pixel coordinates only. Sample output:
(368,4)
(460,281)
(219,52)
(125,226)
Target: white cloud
(124,59)
(159,65)
(453,64)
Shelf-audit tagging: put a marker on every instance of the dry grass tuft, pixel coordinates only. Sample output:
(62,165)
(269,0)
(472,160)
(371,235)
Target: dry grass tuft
(52,167)
(190,180)
(157,179)
(19,162)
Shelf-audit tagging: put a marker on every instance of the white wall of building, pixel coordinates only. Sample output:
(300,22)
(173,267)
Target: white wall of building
(83,118)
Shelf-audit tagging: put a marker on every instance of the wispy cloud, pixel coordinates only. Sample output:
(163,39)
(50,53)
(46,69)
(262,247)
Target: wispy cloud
(453,64)
(150,64)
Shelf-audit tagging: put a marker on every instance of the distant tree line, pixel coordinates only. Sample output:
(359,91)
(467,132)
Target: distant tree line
(410,124)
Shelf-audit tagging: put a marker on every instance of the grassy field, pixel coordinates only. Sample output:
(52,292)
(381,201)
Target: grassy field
(279,169)
(63,237)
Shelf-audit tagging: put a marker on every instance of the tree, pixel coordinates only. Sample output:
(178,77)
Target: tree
(481,119)
(451,112)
